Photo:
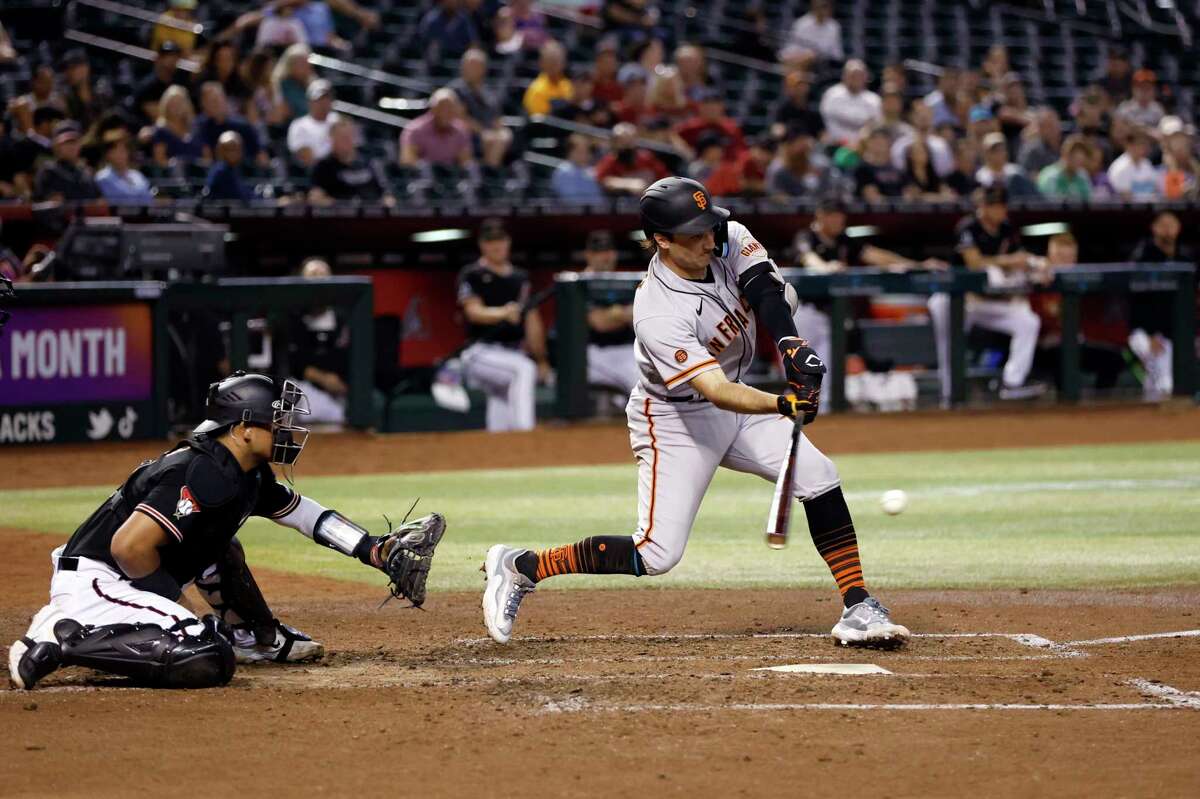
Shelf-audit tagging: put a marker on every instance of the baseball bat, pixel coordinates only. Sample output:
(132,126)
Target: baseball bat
(780,518)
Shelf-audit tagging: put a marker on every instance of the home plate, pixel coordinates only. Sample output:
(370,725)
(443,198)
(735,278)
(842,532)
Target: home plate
(827,668)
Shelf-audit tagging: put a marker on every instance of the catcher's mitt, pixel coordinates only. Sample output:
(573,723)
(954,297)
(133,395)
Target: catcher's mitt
(405,553)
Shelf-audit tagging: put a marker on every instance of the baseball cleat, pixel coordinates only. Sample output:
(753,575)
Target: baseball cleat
(505,589)
(30,661)
(867,624)
(290,646)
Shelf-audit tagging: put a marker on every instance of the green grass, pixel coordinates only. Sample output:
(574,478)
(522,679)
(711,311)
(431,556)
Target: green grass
(1096,516)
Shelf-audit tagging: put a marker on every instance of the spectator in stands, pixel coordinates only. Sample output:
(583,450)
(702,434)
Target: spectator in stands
(66,178)
(215,119)
(1150,315)
(1091,122)
(575,178)
(794,111)
(747,175)
(848,106)
(282,27)
(628,169)
(606,88)
(220,66)
(176,25)
(814,37)
(530,24)
(165,74)
(1181,169)
(438,136)
(174,136)
(941,99)
(308,137)
(1013,111)
(981,122)
(876,179)
(291,76)
(84,103)
(41,89)
(987,240)
(633,18)
(920,119)
(224,181)
(1143,108)
(317,18)
(447,30)
(1068,177)
(633,106)
(318,348)
(1132,175)
(693,71)
(710,119)
(551,83)
(1041,142)
(891,113)
(997,170)
(610,356)
(492,293)
(117,180)
(798,169)
(995,68)
(8,53)
(921,179)
(1116,79)
(481,108)
(344,174)
(506,40)
(649,54)
(35,145)
(667,98)
(710,155)
(263,107)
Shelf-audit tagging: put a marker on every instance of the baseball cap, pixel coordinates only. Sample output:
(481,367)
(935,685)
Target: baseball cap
(600,240)
(1171,124)
(632,73)
(318,89)
(491,230)
(980,113)
(66,131)
(1144,76)
(994,139)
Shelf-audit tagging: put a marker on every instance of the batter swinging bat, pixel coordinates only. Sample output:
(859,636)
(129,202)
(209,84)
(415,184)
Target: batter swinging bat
(780,518)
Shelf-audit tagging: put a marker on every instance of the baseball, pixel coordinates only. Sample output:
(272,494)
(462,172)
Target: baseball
(893,501)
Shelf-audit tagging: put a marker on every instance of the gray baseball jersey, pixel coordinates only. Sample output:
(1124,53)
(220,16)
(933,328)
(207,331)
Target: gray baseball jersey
(685,327)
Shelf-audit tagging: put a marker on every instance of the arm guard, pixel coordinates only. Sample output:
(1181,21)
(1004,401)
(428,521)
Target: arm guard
(764,290)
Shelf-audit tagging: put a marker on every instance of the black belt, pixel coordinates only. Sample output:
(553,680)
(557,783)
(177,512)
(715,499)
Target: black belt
(68,564)
(682,399)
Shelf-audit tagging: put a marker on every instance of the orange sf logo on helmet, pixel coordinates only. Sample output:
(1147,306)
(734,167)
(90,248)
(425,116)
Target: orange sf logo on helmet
(701,200)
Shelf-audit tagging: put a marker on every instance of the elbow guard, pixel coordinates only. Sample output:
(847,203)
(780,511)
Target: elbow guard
(765,290)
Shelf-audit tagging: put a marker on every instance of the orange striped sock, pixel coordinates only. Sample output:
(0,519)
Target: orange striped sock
(833,535)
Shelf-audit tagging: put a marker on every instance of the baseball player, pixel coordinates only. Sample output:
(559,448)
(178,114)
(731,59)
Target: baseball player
(708,286)
(115,597)
(610,357)
(493,295)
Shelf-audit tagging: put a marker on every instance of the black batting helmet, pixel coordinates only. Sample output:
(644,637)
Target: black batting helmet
(254,399)
(682,205)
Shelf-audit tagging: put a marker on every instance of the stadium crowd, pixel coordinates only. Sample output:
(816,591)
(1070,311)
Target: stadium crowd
(255,109)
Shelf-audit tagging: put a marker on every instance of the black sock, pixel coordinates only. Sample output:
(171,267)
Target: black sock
(599,554)
(833,534)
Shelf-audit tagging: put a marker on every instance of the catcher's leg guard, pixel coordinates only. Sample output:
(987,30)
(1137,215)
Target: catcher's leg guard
(149,654)
(230,588)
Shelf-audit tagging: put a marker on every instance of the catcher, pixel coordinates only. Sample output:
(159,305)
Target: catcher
(118,582)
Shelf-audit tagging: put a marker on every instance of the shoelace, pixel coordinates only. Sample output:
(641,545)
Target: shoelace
(876,609)
(515,595)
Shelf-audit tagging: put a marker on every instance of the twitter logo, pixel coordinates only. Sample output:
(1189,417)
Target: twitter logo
(100,424)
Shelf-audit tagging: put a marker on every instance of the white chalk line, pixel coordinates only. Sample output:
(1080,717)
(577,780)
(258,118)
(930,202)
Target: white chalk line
(891,656)
(1124,639)
(1027,639)
(1190,699)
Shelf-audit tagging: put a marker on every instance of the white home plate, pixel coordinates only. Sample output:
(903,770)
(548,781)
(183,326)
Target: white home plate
(827,668)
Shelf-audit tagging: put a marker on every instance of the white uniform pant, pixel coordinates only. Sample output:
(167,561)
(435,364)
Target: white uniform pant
(1156,353)
(813,325)
(509,378)
(679,446)
(1013,317)
(614,366)
(96,594)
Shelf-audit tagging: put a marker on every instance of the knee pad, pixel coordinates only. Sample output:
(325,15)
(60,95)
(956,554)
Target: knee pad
(149,654)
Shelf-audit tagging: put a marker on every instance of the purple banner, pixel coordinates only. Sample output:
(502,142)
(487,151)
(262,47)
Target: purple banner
(88,353)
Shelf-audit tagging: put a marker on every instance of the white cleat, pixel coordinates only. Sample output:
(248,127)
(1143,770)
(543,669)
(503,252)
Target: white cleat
(867,624)
(290,646)
(505,589)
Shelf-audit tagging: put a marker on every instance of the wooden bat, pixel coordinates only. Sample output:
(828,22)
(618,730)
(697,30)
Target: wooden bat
(780,518)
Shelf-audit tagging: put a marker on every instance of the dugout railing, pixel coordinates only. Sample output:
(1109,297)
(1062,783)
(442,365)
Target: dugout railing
(92,361)
(573,290)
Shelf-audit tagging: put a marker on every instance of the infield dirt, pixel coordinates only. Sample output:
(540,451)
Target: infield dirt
(650,693)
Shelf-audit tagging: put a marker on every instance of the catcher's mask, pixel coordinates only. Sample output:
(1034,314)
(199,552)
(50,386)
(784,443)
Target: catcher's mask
(251,399)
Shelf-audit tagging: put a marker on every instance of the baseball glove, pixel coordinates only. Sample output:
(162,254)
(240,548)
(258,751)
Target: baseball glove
(405,553)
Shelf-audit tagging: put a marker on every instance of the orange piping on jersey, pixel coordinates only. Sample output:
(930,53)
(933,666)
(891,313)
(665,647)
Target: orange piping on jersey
(689,372)
(653,473)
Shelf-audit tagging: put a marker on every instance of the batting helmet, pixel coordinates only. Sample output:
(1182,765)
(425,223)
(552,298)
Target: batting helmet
(253,399)
(682,205)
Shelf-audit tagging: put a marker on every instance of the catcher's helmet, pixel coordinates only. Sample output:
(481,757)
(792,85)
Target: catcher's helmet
(253,399)
(682,205)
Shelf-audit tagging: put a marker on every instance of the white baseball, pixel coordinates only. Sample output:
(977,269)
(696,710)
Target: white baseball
(893,502)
